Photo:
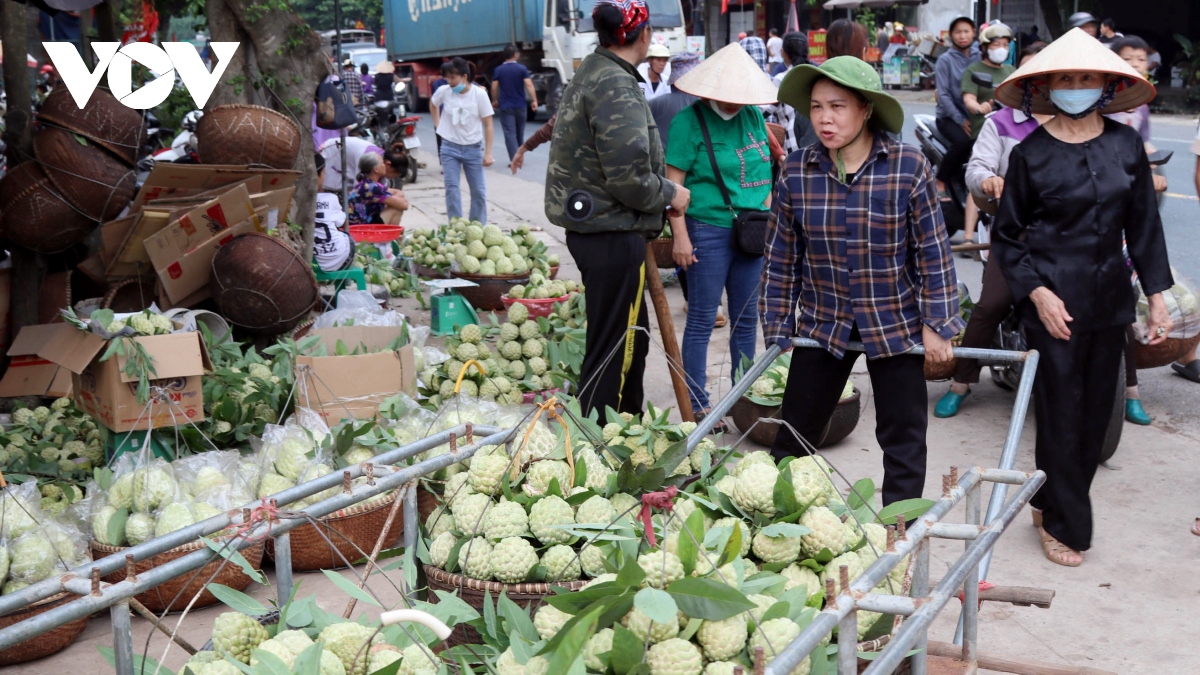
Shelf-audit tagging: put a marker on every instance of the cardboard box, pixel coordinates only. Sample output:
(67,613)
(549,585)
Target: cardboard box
(273,207)
(339,387)
(184,273)
(107,393)
(198,225)
(182,180)
(30,374)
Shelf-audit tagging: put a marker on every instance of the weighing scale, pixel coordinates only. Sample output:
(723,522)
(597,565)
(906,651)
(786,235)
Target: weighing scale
(450,311)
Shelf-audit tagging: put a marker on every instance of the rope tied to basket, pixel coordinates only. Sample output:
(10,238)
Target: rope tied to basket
(664,500)
(265,512)
(550,407)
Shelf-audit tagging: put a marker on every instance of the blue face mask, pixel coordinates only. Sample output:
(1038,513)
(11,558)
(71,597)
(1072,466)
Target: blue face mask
(458,88)
(1075,101)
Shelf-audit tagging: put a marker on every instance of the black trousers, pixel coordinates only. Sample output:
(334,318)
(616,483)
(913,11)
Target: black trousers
(613,266)
(1073,402)
(814,386)
(959,152)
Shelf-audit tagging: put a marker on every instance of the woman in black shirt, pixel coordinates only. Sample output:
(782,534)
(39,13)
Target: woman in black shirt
(1077,189)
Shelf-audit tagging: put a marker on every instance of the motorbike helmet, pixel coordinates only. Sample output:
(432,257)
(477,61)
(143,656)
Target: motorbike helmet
(658,51)
(994,31)
(190,119)
(46,69)
(1081,19)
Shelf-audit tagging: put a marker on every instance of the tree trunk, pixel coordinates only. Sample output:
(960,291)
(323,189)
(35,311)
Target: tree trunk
(108,24)
(279,65)
(1053,17)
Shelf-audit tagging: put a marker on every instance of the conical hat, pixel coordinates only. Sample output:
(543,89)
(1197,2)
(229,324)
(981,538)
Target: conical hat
(1075,51)
(729,76)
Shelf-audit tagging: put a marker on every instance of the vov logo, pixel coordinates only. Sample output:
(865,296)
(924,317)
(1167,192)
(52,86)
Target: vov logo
(178,57)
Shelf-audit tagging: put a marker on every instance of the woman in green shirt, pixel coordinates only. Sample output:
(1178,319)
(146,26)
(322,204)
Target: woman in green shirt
(729,85)
(995,42)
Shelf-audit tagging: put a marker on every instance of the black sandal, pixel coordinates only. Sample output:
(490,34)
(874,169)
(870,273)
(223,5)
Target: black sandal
(719,428)
(1191,371)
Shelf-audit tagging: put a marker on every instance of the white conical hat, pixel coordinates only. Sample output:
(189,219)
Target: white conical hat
(729,76)
(1075,51)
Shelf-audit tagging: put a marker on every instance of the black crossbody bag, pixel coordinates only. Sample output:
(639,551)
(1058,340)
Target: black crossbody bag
(750,226)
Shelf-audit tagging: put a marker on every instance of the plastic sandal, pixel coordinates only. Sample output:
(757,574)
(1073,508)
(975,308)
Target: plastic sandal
(1191,371)
(1135,413)
(1196,527)
(719,428)
(1055,551)
(948,405)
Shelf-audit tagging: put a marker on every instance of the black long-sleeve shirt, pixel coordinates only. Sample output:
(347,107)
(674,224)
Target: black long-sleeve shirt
(1065,210)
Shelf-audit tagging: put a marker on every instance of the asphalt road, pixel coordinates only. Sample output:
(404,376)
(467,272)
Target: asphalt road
(1180,209)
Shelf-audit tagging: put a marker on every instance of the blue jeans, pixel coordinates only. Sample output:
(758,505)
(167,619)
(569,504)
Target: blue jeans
(512,121)
(458,159)
(721,267)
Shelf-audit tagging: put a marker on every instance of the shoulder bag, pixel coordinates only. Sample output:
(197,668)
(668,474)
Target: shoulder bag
(749,226)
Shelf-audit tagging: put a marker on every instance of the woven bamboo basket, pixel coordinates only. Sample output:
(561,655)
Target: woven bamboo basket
(262,285)
(1163,353)
(35,214)
(160,597)
(662,253)
(130,295)
(427,501)
(428,272)
(92,179)
(845,418)
(353,532)
(943,371)
(55,295)
(488,295)
(47,643)
(473,591)
(247,134)
(104,121)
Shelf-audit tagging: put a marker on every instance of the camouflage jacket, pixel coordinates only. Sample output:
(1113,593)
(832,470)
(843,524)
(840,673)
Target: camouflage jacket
(607,169)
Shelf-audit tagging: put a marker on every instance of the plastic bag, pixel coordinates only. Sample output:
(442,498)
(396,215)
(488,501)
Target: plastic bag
(19,510)
(358,308)
(1183,305)
(144,489)
(213,478)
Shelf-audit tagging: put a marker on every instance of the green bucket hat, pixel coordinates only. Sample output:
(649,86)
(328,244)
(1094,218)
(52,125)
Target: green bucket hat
(851,73)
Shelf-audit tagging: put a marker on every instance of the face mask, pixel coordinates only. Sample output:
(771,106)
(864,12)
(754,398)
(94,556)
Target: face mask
(724,115)
(1075,101)
(998,55)
(458,88)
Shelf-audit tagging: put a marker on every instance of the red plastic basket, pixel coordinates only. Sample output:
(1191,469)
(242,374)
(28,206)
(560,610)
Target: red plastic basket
(541,307)
(376,234)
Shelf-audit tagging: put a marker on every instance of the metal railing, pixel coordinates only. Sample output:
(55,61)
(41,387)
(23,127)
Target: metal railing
(84,581)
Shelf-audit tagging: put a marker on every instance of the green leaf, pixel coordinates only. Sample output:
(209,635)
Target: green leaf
(140,664)
(308,662)
(765,583)
(733,547)
(349,588)
(656,604)
(232,555)
(517,618)
(451,609)
(778,610)
(708,599)
(909,508)
(689,538)
(784,495)
(861,494)
(116,526)
(785,530)
(630,574)
(626,650)
(652,480)
(489,614)
(237,600)
(572,638)
(269,664)
(672,457)
(576,602)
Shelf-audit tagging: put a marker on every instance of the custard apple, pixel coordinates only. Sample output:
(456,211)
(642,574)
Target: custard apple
(208,477)
(100,521)
(152,488)
(466,352)
(438,522)
(722,668)
(591,559)
(417,660)
(675,657)
(488,471)
(541,473)
(336,631)
(811,487)
(798,575)
(640,624)
(773,636)
(475,558)
(353,653)
(876,536)
(529,331)
(512,560)
(510,350)
(548,620)
(507,665)
(537,365)
(382,656)
(754,489)
(518,314)
(548,512)
(596,651)
(596,509)
(773,550)
(762,604)
(516,369)
(139,528)
(291,457)
(832,570)
(541,444)
(725,484)
(470,333)
(222,668)
(279,649)
(174,516)
(33,559)
(469,513)
(440,549)
(197,662)
(722,640)
(661,568)
(752,459)
(741,525)
(503,520)
(295,640)
(828,531)
(272,483)
(625,504)
(237,635)
(358,454)
(457,487)
(561,564)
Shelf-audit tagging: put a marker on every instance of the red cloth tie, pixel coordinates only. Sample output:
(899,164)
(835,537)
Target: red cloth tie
(663,500)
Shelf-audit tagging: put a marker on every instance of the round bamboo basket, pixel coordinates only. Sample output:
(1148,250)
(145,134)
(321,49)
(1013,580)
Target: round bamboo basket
(260,284)
(130,295)
(488,295)
(104,121)
(845,418)
(943,371)
(473,591)
(36,215)
(47,643)
(1163,353)
(247,134)
(163,596)
(427,502)
(662,253)
(92,179)
(352,533)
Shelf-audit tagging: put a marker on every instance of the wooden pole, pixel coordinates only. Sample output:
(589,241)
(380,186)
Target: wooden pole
(988,662)
(666,328)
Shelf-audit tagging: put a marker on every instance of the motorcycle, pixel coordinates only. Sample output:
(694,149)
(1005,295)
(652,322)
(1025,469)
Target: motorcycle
(182,149)
(401,139)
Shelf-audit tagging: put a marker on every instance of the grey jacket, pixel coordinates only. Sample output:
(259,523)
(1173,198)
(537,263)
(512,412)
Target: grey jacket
(948,75)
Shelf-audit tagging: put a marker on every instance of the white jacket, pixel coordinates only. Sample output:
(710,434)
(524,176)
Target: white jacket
(1001,132)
